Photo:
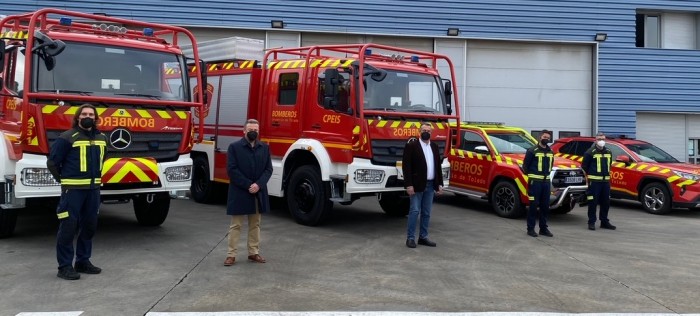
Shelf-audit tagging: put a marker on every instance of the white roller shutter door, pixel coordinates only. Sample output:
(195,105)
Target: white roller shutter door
(667,131)
(532,85)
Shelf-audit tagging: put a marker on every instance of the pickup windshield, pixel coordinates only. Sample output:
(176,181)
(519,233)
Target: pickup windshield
(511,143)
(110,71)
(404,92)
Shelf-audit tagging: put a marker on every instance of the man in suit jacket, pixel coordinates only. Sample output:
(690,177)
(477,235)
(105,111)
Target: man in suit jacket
(423,179)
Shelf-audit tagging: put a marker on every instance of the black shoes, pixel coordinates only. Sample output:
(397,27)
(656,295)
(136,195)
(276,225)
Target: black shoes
(531,232)
(426,242)
(591,226)
(87,267)
(546,232)
(607,225)
(68,273)
(410,243)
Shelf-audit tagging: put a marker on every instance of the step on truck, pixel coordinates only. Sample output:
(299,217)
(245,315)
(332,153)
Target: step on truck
(53,61)
(336,118)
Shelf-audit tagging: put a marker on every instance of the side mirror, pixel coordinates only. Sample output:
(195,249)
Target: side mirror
(55,48)
(481,149)
(448,96)
(49,62)
(2,56)
(623,158)
(378,75)
(203,71)
(331,80)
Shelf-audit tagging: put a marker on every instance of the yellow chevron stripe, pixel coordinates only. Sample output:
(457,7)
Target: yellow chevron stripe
(49,108)
(521,187)
(382,123)
(673,178)
(148,163)
(144,113)
(129,167)
(181,114)
(642,167)
(665,171)
(163,114)
(686,182)
(395,124)
(654,168)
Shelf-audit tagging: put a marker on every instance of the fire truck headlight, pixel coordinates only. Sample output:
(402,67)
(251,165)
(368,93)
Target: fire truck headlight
(445,174)
(38,177)
(178,174)
(369,176)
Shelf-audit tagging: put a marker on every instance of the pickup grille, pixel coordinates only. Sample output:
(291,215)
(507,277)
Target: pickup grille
(388,152)
(163,147)
(560,177)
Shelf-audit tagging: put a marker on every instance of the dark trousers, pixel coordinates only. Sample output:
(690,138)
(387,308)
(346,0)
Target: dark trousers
(77,212)
(538,193)
(598,193)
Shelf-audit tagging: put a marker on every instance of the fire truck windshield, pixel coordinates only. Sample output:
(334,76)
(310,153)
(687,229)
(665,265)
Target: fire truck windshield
(510,143)
(111,71)
(404,92)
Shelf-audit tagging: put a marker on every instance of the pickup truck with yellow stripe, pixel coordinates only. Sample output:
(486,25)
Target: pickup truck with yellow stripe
(486,164)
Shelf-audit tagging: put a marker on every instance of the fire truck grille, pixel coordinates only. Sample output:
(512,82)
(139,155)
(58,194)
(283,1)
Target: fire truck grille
(388,152)
(568,177)
(160,146)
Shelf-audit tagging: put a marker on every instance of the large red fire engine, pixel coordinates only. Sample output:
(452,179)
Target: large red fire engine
(336,118)
(52,62)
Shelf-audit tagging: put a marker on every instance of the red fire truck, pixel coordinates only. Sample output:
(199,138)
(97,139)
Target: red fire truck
(336,118)
(52,62)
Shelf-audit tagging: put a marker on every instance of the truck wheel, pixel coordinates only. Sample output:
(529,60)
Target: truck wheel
(394,204)
(655,198)
(8,217)
(151,211)
(202,188)
(505,200)
(566,206)
(308,196)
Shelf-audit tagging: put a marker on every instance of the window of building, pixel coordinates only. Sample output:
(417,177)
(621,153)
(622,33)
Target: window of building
(648,29)
(288,88)
(693,154)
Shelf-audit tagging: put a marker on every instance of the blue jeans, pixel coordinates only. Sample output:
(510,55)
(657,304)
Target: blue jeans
(421,202)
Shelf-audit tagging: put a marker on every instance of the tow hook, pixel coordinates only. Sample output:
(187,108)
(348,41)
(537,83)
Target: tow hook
(150,197)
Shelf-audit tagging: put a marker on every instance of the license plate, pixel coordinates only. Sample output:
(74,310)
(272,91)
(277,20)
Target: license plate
(573,179)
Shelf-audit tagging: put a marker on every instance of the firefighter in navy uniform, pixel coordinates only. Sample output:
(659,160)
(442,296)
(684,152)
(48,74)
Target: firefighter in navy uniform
(538,164)
(596,163)
(76,160)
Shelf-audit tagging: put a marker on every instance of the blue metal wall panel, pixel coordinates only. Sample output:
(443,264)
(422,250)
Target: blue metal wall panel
(630,79)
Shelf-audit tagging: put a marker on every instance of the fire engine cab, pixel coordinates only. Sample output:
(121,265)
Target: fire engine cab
(51,62)
(336,118)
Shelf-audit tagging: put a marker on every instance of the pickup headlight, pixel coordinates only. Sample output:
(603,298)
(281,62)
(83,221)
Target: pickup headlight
(368,176)
(689,176)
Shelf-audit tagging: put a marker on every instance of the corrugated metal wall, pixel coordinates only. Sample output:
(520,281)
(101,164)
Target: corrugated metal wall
(630,79)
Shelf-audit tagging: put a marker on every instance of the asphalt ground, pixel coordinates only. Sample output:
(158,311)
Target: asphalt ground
(358,262)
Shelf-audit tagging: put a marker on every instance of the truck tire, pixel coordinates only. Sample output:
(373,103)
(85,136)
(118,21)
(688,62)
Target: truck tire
(655,198)
(151,212)
(394,204)
(202,189)
(505,200)
(308,196)
(566,206)
(8,217)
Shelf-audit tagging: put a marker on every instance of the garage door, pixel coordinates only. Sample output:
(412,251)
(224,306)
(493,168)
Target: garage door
(667,131)
(531,85)
(208,34)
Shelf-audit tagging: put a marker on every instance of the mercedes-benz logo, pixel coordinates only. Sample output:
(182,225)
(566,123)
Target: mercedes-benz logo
(120,138)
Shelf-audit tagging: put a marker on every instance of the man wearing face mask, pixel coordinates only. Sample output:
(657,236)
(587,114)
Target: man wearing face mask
(538,164)
(596,163)
(422,173)
(75,160)
(249,168)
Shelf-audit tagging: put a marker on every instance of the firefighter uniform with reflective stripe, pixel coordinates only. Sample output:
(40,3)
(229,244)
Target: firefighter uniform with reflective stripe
(596,163)
(538,164)
(75,160)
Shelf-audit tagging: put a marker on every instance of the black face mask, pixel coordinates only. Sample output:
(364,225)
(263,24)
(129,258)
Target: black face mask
(424,135)
(251,136)
(544,142)
(87,122)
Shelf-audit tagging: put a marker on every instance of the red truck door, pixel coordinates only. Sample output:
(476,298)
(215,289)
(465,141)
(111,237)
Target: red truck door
(281,102)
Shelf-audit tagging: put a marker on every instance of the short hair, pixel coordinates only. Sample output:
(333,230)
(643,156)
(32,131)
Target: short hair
(250,121)
(76,116)
(425,124)
(599,134)
(546,131)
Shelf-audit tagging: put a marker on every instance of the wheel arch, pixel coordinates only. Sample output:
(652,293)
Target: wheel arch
(646,180)
(205,149)
(306,152)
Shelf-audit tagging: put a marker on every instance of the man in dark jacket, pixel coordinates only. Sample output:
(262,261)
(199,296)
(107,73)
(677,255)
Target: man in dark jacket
(422,174)
(249,168)
(596,163)
(76,160)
